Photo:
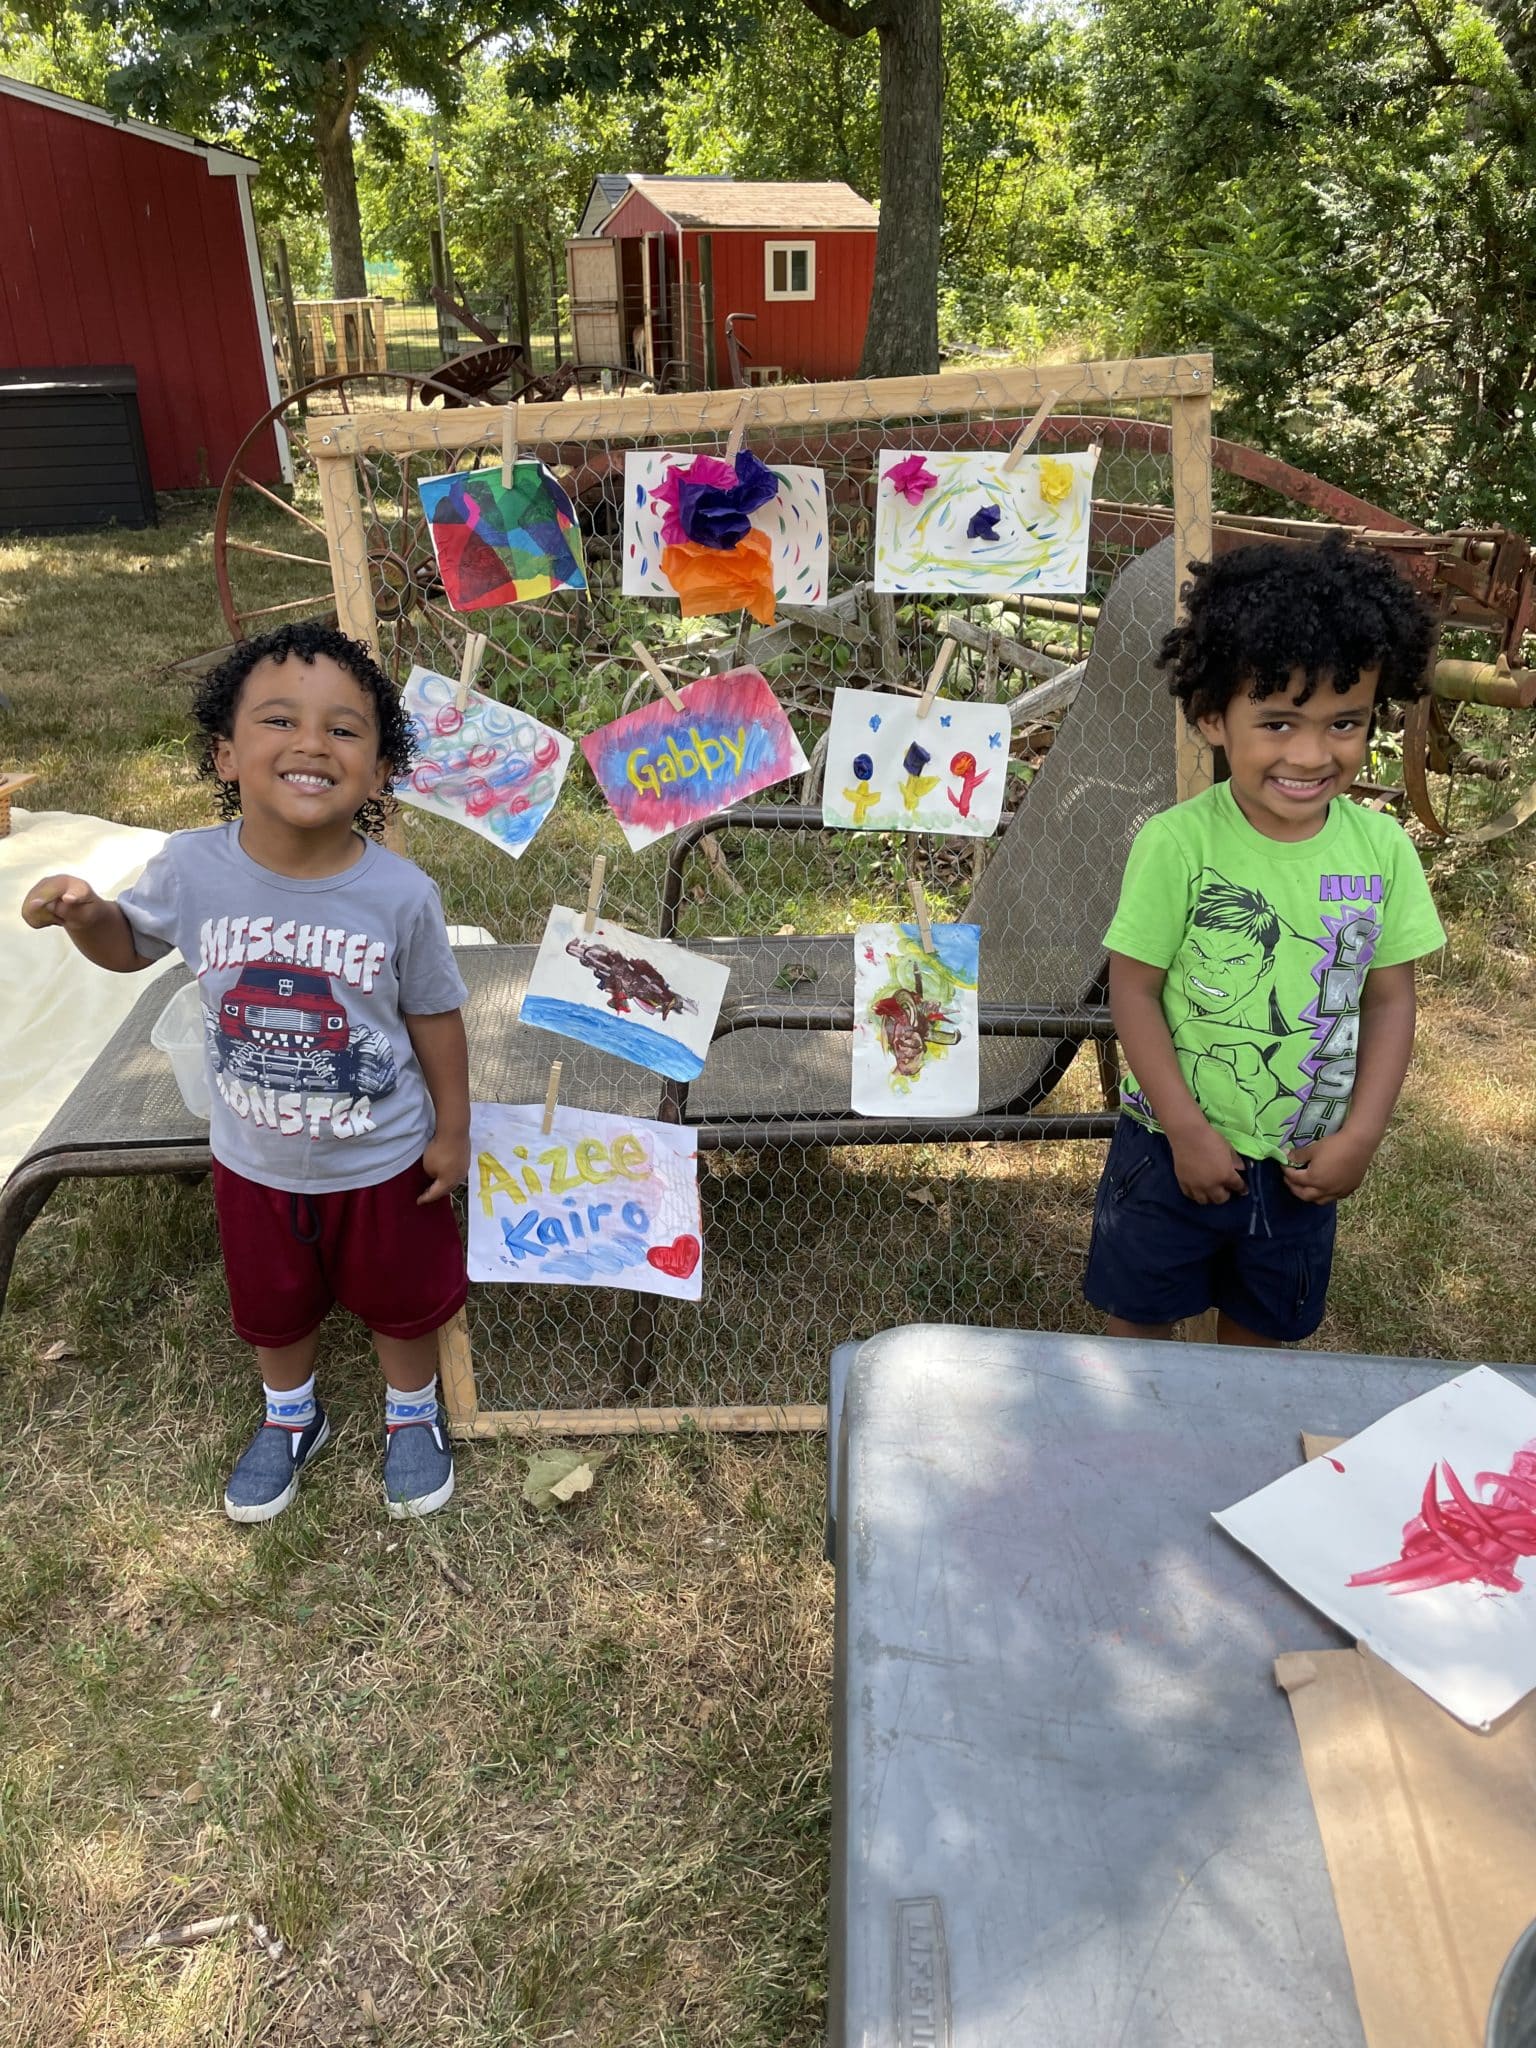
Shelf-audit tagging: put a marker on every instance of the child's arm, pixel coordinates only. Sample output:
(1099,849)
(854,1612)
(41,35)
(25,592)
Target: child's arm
(1207,1168)
(1330,1168)
(443,1053)
(96,925)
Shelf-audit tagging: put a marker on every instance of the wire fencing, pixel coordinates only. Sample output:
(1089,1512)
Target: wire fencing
(817,1226)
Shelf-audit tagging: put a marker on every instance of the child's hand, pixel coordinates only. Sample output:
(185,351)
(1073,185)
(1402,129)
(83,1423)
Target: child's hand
(1207,1168)
(446,1159)
(1329,1168)
(60,899)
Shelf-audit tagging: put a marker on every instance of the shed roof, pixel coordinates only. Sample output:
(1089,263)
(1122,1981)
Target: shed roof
(610,187)
(220,160)
(707,203)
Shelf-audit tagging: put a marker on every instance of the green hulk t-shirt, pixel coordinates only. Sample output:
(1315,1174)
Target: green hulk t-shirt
(1266,943)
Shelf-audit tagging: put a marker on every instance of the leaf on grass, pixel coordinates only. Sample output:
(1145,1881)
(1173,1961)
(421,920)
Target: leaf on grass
(556,1475)
(59,1351)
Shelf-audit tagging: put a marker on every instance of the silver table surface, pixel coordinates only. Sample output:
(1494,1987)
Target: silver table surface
(1069,1805)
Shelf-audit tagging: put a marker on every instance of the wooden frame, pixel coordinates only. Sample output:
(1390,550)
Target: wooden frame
(789,296)
(1183,381)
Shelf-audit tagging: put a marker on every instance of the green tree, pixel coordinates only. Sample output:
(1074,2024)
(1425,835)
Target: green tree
(1340,201)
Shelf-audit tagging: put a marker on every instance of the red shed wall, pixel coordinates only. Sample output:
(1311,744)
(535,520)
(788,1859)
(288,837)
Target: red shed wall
(116,249)
(815,338)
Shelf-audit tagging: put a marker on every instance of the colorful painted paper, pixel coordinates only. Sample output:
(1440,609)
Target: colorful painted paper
(981,529)
(793,522)
(661,769)
(915,1035)
(597,1201)
(635,997)
(890,771)
(488,766)
(1419,1537)
(496,546)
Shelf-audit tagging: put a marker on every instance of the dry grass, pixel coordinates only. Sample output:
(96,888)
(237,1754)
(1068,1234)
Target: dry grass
(586,1802)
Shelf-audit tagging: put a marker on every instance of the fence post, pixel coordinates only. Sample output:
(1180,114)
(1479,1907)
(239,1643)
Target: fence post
(707,307)
(440,280)
(520,274)
(295,349)
(554,290)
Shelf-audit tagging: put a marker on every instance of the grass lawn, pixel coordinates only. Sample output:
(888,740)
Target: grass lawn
(508,1778)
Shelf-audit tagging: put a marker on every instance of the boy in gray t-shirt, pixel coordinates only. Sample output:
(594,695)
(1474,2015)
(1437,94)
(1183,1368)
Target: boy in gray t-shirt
(335,1046)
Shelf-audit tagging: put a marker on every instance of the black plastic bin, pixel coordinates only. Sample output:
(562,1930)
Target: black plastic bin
(72,451)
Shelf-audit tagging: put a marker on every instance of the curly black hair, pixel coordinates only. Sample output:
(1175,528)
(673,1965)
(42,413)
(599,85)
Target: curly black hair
(218,695)
(1258,614)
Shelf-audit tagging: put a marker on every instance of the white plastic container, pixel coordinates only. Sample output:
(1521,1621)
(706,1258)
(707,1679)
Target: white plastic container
(178,1033)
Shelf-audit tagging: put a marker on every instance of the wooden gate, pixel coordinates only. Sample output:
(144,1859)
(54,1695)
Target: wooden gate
(597,301)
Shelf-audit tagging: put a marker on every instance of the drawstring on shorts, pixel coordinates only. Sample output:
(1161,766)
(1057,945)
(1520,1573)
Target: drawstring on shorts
(309,1231)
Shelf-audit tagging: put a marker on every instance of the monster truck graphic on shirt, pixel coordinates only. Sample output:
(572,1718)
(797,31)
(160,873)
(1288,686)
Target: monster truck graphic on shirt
(285,1027)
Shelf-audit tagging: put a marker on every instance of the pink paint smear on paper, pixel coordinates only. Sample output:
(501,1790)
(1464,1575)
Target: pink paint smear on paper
(1464,1541)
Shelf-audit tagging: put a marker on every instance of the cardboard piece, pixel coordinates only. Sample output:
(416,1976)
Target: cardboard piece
(1429,1830)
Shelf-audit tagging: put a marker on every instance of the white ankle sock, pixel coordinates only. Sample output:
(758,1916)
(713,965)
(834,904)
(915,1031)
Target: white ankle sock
(420,1405)
(291,1407)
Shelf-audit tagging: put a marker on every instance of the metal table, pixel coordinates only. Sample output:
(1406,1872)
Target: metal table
(1069,1805)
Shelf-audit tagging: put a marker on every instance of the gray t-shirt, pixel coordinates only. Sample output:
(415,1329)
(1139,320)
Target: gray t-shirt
(305,986)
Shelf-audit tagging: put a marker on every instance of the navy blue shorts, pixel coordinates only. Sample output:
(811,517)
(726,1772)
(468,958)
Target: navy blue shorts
(1157,1257)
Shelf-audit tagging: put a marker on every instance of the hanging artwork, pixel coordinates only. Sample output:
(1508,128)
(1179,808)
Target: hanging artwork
(635,997)
(661,768)
(1419,1537)
(724,536)
(484,765)
(597,1201)
(915,1038)
(888,770)
(496,546)
(969,524)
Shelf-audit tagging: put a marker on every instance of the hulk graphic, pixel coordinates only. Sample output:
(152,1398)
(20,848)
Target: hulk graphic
(1240,1054)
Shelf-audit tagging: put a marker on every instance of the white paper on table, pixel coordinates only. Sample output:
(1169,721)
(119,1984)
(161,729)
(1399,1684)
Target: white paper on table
(1470,1647)
(915,1039)
(888,770)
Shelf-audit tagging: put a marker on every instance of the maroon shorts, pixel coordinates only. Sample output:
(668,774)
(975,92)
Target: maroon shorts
(288,1257)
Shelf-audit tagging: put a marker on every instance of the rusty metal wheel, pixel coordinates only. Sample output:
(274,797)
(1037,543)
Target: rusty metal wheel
(269,547)
(1460,761)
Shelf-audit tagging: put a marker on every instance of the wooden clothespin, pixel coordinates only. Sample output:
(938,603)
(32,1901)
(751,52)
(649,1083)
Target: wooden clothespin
(1026,439)
(920,912)
(508,444)
(653,669)
(475,645)
(595,891)
(738,429)
(551,1094)
(947,651)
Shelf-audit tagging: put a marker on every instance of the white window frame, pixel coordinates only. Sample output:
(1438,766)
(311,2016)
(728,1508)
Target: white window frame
(789,249)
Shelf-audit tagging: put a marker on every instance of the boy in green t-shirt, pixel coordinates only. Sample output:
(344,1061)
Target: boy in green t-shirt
(1261,957)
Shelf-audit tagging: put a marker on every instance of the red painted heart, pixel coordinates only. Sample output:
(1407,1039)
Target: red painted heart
(677,1259)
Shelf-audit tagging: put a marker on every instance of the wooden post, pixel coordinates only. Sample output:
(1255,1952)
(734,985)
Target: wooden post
(440,279)
(295,348)
(317,339)
(707,306)
(1190,446)
(1191,453)
(520,281)
(647,312)
(554,292)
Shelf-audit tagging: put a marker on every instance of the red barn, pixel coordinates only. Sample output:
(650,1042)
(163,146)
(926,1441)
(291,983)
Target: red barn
(678,256)
(126,244)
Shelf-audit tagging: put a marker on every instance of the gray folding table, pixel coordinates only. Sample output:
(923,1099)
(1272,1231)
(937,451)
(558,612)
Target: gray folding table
(1069,1805)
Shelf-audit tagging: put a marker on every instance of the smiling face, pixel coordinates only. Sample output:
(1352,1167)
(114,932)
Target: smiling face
(304,746)
(1288,759)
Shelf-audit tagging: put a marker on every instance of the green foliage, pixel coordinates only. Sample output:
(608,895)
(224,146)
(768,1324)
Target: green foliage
(1339,201)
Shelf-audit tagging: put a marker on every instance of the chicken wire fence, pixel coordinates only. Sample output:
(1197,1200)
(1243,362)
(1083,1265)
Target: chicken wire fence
(818,1225)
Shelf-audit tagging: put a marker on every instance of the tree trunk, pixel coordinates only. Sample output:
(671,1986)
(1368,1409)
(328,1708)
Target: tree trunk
(902,339)
(338,191)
